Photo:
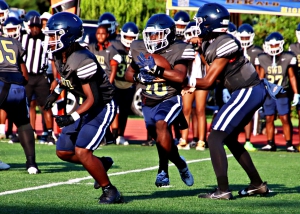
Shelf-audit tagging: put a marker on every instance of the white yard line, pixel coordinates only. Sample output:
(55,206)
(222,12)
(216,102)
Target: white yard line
(77,180)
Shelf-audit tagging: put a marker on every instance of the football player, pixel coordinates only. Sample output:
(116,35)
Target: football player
(277,66)
(109,59)
(182,19)
(13,77)
(245,34)
(295,48)
(124,89)
(226,62)
(108,20)
(161,88)
(232,29)
(82,75)
(196,98)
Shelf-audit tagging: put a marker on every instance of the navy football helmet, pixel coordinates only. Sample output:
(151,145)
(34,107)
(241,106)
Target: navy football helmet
(273,44)
(245,35)
(191,31)
(12,27)
(212,17)
(298,33)
(109,20)
(182,19)
(231,29)
(159,32)
(4,11)
(62,30)
(129,29)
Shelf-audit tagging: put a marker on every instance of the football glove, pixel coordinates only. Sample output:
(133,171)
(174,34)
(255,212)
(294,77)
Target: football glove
(50,100)
(143,77)
(295,99)
(226,95)
(149,65)
(66,120)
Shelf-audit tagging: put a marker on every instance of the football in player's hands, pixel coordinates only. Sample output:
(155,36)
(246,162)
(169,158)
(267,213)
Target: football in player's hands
(161,62)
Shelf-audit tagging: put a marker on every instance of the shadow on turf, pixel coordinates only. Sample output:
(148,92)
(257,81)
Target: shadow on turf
(52,167)
(275,190)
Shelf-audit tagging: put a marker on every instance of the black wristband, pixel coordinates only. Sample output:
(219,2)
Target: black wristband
(159,71)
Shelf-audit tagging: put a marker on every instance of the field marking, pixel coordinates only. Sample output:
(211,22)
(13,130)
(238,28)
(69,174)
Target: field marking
(77,180)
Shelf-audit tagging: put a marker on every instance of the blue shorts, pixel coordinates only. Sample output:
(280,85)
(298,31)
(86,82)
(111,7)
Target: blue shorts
(167,110)
(88,131)
(16,105)
(281,105)
(240,108)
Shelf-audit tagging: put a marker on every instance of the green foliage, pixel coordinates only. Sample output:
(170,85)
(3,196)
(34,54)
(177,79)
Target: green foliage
(135,10)
(38,5)
(265,24)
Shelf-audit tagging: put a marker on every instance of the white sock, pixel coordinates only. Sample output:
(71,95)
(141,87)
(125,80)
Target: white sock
(2,128)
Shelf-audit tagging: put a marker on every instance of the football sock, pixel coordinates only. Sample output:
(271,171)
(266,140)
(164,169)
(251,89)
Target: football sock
(288,143)
(115,133)
(217,152)
(195,139)
(163,160)
(2,128)
(271,142)
(223,183)
(26,136)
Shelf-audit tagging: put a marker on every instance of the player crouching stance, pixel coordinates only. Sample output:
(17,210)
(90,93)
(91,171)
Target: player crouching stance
(82,75)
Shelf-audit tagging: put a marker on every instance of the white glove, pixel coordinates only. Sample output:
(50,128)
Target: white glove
(295,99)
(226,95)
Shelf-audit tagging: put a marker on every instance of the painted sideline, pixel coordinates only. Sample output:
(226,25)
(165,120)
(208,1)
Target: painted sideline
(76,180)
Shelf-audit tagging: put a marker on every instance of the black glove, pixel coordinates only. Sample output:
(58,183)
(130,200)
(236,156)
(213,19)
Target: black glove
(64,120)
(50,100)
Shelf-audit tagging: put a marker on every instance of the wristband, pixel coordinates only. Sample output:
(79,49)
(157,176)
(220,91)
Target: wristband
(75,115)
(159,71)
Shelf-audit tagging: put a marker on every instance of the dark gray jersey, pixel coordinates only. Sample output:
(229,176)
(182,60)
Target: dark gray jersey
(120,81)
(277,74)
(105,56)
(252,53)
(82,68)
(295,48)
(239,72)
(177,53)
(11,56)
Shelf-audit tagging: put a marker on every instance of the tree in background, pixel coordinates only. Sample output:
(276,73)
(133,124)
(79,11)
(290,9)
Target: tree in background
(38,5)
(136,11)
(265,24)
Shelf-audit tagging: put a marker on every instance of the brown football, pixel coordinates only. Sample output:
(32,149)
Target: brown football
(160,61)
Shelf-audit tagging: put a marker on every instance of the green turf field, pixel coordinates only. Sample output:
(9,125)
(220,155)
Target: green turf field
(67,188)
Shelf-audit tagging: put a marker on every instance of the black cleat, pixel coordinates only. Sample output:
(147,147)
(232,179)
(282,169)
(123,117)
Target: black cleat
(107,163)
(254,190)
(110,195)
(217,194)
(148,143)
(269,148)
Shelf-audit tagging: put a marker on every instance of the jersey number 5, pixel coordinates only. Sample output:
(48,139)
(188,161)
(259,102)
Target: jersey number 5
(7,53)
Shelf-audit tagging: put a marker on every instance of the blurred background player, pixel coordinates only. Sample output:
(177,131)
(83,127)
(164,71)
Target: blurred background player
(108,20)
(277,66)
(245,34)
(196,70)
(295,48)
(13,77)
(124,89)
(182,19)
(109,59)
(232,29)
